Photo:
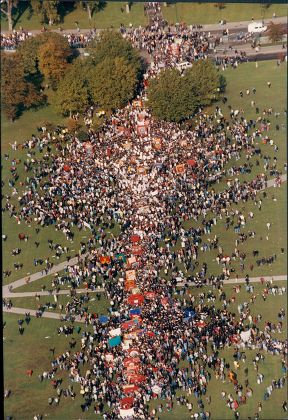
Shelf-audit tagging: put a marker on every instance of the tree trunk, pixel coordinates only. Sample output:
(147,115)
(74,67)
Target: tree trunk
(9,10)
(89,11)
(8,13)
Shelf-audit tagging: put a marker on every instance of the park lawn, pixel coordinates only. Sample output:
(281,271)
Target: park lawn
(268,309)
(276,237)
(247,76)
(32,351)
(109,16)
(23,128)
(30,389)
(237,80)
(94,305)
(207,13)
(270,368)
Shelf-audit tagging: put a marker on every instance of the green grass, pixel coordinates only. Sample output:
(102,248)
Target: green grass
(35,355)
(207,13)
(277,238)
(22,128)
(33,344)
(246,76)
(93,305)
(110,16)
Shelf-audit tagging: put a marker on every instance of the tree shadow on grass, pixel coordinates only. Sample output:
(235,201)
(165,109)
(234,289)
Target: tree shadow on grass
(101,6)
(65,8)
(19,10)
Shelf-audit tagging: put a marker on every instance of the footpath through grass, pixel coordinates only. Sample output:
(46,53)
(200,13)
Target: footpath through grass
(246,76)
(41,335)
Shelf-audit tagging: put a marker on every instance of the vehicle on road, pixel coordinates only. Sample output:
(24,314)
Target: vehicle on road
(256,27)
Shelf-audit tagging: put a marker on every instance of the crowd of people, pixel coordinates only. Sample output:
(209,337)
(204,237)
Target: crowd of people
(149,177)
(10,41)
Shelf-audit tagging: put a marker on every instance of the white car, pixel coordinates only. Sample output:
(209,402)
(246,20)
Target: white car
(256,27)
(183,66)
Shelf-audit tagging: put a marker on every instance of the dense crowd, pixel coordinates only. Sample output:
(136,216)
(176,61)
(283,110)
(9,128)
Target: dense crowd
(135,172)
(10,41)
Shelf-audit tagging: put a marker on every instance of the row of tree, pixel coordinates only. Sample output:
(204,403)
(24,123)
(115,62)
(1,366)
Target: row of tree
(49,12)
(39,60)
(108,79)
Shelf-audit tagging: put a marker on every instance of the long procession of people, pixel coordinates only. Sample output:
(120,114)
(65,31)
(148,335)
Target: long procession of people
(149,177)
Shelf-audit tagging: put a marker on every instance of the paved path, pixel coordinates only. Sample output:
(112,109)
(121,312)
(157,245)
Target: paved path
(54,315)
(46,293)
(271,182)
(51,315)
(242,26)
(40,275)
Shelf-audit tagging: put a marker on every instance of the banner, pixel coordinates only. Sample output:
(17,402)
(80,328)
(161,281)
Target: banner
(127,414)
(115,332)
(180,169)
(115,341)
(130,285)
(130,275)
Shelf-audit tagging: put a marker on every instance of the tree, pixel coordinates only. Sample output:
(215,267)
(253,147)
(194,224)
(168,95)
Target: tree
(17,92)
(72,93)
(28,50)
(92,6)
(112,83)
(73,125)
(173,97)
(111,45)
(7,8)
(46,10)
(168,97)
(54,56)
(204,78)
(275,32)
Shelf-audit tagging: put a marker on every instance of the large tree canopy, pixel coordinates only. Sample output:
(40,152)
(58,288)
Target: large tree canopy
(54,56)
(113,83)
(168,98)
(17,92)
(72,92)
(111,45)
(203,79)
(173,97)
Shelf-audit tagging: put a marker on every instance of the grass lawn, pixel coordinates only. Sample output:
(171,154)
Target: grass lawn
(22,128)
(35,354)
(274,211)
(277,238)
(94,305)
(110,16)
(207,13)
